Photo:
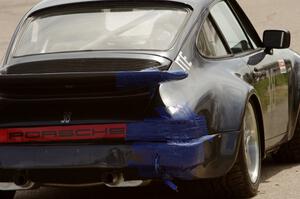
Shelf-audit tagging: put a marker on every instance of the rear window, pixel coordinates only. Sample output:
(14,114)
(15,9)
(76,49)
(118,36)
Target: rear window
(92,28)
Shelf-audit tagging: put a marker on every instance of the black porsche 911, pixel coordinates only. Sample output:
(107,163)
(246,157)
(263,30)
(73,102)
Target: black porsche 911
(123,92)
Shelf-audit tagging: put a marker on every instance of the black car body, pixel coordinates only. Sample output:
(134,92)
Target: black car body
(173,113)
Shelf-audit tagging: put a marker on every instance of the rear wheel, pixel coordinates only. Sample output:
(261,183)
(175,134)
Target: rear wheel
(244,177)
(7,194)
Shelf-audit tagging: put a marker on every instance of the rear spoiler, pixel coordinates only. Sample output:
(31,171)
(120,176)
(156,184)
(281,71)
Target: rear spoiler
(10,83)
(149,78)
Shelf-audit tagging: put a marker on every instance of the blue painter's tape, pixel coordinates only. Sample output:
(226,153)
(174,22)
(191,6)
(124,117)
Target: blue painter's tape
(156,164)
(174,140)
(147,78)
(163,130)
(175,158)
(178,124)
(170,184)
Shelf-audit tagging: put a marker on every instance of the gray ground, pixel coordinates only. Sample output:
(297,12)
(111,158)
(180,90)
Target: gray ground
(279,180)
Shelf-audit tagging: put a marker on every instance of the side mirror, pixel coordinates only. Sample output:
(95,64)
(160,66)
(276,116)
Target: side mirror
(277,39)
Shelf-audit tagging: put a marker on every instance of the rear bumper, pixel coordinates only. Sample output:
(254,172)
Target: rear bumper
(206,157)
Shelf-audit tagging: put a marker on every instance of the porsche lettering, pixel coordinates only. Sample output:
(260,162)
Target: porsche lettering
(62,133)
(66,133)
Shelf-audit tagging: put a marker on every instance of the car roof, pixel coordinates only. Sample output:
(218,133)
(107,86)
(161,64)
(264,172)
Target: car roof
(196,4)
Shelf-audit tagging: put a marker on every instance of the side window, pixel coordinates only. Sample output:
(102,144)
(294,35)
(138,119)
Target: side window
(209,42)
(230,28)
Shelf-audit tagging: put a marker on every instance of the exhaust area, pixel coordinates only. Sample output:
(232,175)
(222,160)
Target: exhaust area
(117,180)
(20,182)
(109,179)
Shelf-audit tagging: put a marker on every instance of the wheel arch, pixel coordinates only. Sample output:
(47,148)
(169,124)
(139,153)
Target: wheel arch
(294,98)
(257,108)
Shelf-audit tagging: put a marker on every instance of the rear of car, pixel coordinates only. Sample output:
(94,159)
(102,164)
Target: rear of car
(80,103)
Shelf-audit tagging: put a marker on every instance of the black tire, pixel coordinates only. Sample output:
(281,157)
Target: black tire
(236,183)
(290,151)
(7,194)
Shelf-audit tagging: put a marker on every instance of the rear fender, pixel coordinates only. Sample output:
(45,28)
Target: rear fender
(294,97)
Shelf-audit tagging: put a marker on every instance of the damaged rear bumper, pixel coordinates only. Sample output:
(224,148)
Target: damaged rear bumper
(205,157)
